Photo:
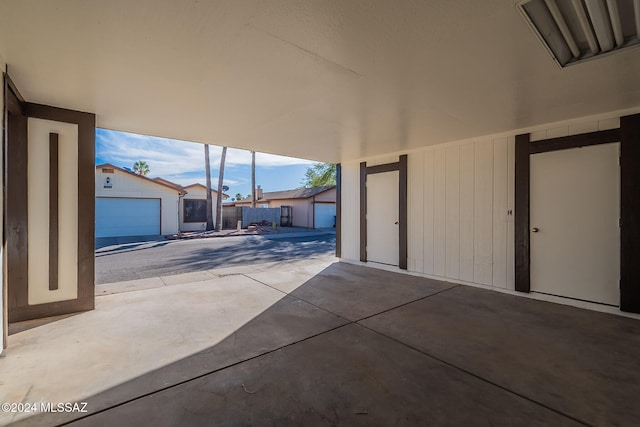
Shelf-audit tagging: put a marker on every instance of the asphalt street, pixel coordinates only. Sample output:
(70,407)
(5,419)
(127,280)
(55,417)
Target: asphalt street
(150,259)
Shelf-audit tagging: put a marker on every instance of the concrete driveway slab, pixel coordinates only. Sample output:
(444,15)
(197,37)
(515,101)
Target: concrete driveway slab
(128,334)
(355,292)
(582,363)
(285,281)
(179,279)
(129,286)
(286,322)
(350,376)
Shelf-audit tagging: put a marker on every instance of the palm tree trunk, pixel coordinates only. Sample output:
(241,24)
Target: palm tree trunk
(253,179)
(209,198)
(220,191)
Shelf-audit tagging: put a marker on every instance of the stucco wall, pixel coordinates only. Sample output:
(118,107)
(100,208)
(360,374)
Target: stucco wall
(301,210)
(127,185)
(459,194)
(200,193)
(326,196)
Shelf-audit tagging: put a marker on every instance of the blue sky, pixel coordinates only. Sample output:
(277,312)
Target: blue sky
(183,162)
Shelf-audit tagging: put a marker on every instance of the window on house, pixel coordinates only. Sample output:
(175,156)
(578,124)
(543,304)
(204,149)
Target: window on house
(195,210)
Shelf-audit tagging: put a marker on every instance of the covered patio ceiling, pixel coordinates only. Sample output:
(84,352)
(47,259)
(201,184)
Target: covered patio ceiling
(325,80)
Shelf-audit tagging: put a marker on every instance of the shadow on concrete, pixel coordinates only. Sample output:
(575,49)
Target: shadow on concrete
(102,242)
(360,346)
(245,251)
(129,248)
(17,327)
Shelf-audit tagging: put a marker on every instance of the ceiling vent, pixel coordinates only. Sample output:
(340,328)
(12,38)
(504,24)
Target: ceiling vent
(574,31)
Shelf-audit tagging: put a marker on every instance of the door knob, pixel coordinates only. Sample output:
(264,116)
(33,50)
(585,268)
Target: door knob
(535,229)
(397,222)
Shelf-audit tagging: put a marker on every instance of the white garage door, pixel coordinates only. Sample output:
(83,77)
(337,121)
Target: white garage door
(324,215)
(127,217)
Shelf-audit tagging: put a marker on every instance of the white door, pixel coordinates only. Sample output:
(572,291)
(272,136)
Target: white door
(127,217)
(382,217)
(575,234)
(324,215)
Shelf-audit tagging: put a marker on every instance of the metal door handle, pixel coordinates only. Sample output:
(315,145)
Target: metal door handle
(535,229)
(397,222)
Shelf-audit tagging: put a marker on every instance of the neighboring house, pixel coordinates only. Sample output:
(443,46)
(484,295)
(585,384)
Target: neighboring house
(311,207)
(128,204)
(193,207)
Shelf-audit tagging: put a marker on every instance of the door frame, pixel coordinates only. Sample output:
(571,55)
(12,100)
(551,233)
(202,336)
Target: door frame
(401,167)
(17,307)
(628,135)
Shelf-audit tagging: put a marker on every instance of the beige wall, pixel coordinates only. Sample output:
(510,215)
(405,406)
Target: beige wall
(126,185)
(302,210)
(195,192)
(459,194)
(326,196)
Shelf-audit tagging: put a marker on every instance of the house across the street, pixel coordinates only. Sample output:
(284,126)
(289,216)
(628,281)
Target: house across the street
(129,204)
(310,207)
(193,207)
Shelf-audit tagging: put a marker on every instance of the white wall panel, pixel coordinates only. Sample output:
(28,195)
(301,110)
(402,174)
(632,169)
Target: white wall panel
(467,197)
(460,196)
(607,124)
(351,211)
(452,212)
(439,205)
(428,212)
(415,239)
(583,127)
(483,213)
(511,184)
(500,207)
(558,132)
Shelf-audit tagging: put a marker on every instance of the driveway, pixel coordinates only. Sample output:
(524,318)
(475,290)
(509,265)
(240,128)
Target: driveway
(140,260)
(344,345)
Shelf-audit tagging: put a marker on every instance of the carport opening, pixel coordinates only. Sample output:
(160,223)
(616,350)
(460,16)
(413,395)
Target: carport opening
(151,192)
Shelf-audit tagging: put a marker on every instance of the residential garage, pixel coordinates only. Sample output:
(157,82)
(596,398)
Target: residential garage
(310,207)
(128,204)
(120,216)
(324,214)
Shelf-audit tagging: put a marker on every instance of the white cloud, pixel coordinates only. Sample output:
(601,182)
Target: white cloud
(179,161)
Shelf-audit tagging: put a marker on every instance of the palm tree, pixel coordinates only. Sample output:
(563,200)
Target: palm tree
(220,191)
(253,179)
(141,168)
(209,198)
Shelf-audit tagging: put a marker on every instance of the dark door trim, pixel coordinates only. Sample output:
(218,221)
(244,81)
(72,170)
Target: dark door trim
(338,210)
(15,190)
(630,213)
(402,168)
(629,137)
(16,222)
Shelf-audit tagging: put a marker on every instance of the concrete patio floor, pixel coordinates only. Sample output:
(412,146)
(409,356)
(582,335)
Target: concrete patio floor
(326,343)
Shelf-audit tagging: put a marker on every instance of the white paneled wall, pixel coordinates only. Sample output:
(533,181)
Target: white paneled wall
(351,211)
(463,189)
(458,203)
(461,205)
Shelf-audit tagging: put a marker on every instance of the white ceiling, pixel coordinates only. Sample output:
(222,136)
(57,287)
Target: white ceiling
(325,80)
